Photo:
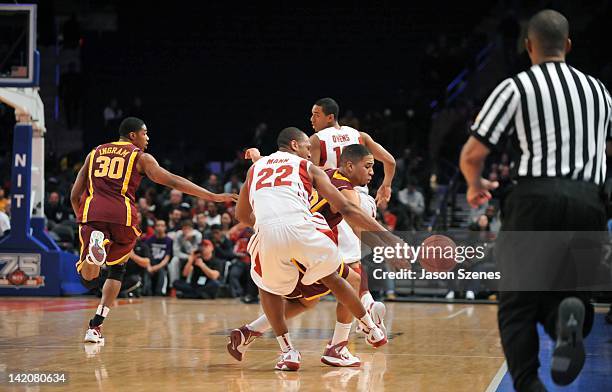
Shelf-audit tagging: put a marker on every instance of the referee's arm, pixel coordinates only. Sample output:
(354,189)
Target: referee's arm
(494,121)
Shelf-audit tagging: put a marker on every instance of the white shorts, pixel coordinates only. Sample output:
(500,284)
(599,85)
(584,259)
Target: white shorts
(273,246)
(348,242)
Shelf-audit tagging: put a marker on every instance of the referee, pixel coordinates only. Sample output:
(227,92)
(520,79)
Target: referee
(558,119)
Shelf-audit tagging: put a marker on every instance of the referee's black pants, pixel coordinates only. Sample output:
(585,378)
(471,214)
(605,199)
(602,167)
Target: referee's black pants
(542,205)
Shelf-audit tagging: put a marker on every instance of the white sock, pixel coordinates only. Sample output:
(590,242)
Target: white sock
(259,325)
(285,342)
(366,321)
(102,310)
(341,332)
(367,300)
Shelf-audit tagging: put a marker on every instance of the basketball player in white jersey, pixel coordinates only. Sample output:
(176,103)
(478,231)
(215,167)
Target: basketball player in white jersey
(327,144)
(326,147)
(275,200)
(356,169)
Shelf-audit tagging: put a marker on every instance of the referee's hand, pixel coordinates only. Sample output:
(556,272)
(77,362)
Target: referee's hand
(479,193)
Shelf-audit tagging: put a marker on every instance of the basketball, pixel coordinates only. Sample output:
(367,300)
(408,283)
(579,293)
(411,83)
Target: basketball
(438,254)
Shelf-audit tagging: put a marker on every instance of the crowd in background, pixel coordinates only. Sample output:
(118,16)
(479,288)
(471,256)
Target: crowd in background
(194,249)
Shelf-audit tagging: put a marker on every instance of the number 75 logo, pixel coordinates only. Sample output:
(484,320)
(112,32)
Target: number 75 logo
(23,268)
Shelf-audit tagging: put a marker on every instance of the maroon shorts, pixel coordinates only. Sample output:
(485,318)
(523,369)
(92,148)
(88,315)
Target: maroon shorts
(119,240)
(316,289)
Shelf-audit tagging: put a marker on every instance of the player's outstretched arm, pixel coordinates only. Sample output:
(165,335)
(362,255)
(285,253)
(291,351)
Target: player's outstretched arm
(79,186)
(381,154)
(244,211)
(350,211)
(149,166)
(352,196)
(356,217)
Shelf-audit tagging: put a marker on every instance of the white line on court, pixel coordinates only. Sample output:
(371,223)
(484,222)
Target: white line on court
(457,313)
(501,372)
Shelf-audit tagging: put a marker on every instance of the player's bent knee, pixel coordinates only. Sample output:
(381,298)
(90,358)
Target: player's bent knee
(116,272)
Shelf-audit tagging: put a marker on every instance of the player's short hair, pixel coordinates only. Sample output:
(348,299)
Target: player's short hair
(329,106)
(551,29)
(130,124)
(187,223)
(287,135)
(353,153)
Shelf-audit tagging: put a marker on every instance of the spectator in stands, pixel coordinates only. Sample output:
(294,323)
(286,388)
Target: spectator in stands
(138,264)
(174,220)
(199,208)
(5,222)
(480,224)
(4,201)
(224,248)
(185,208)
(239,272)
(147,223)
(176,198)
(414,202)
(185,242)
(227,222)
(55,211)
(394,216)
(212,214)
(262,139)
(202,274)
(161,252)
(201,225)
(112,115)
(494,222)
(151,196)
(233,183)
(213,184)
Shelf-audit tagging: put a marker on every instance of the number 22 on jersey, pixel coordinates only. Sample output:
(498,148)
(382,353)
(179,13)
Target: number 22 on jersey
(265,180)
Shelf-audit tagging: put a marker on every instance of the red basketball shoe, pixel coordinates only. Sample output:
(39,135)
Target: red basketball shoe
(239,339)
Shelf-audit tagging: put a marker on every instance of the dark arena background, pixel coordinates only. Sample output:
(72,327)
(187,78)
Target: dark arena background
(211,80)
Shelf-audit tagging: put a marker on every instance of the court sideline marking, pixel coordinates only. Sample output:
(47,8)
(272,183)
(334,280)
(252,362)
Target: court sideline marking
(501,372)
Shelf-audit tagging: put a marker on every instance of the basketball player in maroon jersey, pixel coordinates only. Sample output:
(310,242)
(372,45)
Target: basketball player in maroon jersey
(103,198)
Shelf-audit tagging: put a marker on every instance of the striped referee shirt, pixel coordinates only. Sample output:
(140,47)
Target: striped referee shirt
(557,118)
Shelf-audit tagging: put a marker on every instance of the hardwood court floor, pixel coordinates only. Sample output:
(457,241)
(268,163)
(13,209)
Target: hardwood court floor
(171,344)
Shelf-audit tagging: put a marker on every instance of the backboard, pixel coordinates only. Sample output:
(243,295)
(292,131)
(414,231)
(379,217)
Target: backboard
(18,60)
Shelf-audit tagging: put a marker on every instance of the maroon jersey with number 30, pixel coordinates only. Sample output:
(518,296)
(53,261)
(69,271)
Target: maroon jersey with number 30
(112,180)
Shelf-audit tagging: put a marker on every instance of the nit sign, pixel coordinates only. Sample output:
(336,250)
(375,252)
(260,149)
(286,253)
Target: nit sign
(20,162)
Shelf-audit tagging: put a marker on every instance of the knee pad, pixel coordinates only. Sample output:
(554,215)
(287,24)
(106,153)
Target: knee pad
(116,271)
(90,284)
